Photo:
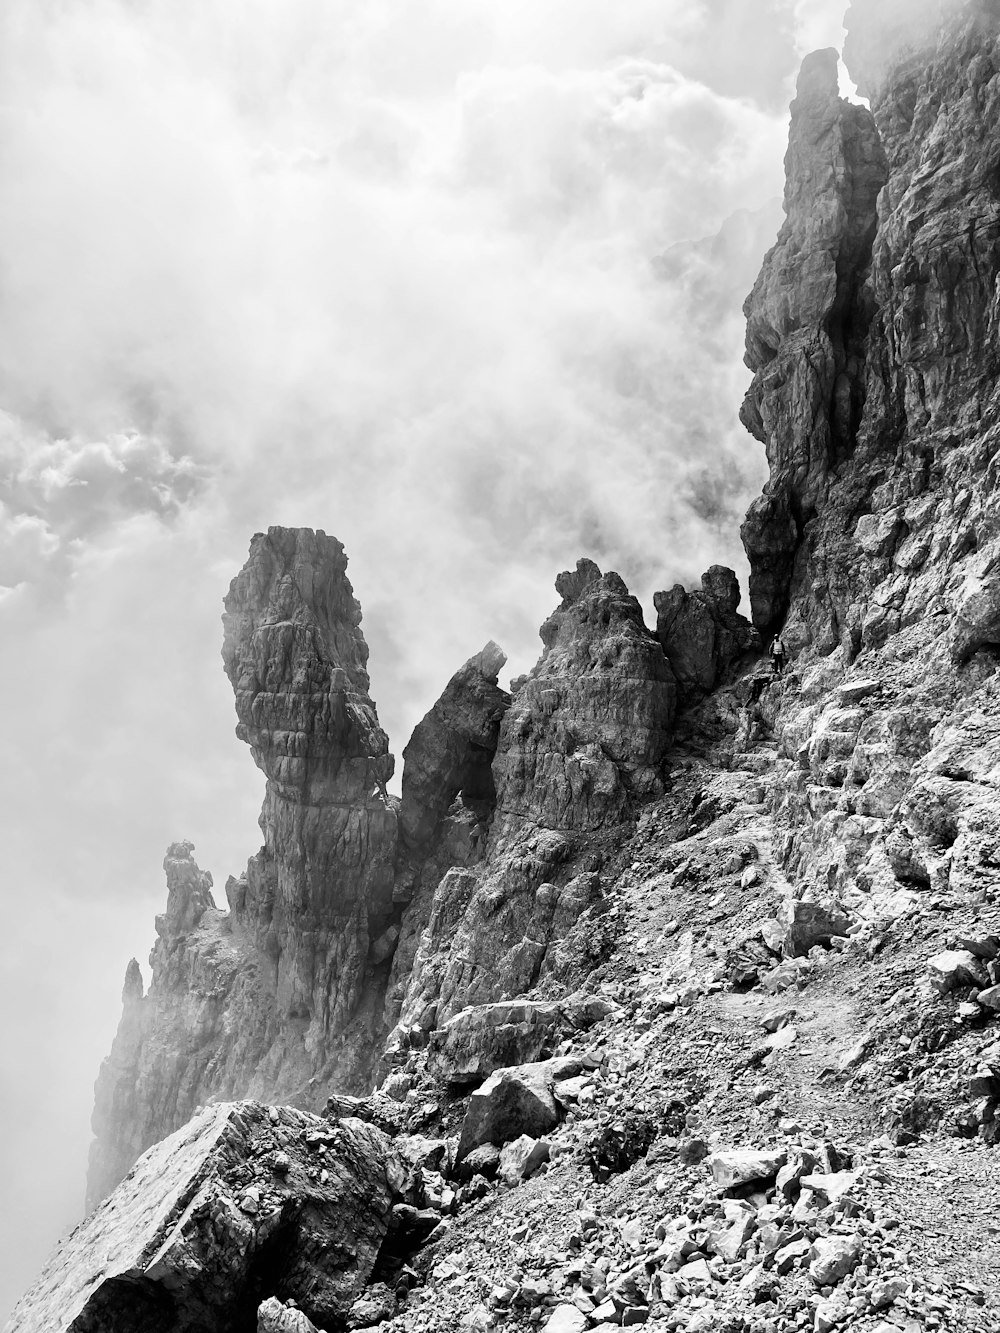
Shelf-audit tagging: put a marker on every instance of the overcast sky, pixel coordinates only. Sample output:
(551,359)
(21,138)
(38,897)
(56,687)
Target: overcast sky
(437,276)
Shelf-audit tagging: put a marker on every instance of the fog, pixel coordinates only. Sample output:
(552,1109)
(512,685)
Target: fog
(459,282)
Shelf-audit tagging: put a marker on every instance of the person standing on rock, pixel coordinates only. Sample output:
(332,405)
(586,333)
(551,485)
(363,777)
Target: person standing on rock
(777,655)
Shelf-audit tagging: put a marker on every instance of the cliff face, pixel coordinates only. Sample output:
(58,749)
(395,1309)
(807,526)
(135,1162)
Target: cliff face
(654,814)
(361,914)
(895,576)
(581,746)
(258,1001)
(807,319)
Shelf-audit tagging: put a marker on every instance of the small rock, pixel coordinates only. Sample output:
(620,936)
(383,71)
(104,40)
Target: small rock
(522,1158)
(566,1319)
(833,1257)
(884,1293)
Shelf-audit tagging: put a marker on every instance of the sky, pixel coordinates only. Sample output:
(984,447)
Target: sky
(457,281)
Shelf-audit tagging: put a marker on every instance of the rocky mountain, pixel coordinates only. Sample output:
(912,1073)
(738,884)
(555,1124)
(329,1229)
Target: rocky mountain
(667,992)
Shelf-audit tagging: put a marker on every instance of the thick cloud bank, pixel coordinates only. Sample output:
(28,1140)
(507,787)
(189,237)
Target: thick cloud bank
(430,274)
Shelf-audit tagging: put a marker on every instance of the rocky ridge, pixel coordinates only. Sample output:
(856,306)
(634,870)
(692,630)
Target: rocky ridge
(687,1013)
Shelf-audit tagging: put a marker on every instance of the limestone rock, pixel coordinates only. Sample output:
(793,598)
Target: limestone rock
(566,1319)
(581,747)
(807,319)
(273,1317)
(589,727)
(702,632)
(483,1038)
(742,1166)
(522,1158)
(832,1258)
(511,1103)
(954,968)
(256,1002)
(206,1216)
(451,751)
(806,924)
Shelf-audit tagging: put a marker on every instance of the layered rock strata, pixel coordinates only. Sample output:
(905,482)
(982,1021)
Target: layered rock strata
(807,321)
(581,746)
(892,580)
(362,913)
(237,1206)
(283,992)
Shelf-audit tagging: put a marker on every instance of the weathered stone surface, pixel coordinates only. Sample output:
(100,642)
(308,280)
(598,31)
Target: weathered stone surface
(511,1103)
(589,727)
(451,751)
(479,1040)
(522,1158)
(230,1209)
(807,320)
(257,1002)
(581,747)
(702,632)
(805,923)
(741,1166)
(953,968)
(274,1317)
(832,1258)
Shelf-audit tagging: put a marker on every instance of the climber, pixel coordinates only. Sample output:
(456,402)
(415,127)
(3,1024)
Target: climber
(777,655)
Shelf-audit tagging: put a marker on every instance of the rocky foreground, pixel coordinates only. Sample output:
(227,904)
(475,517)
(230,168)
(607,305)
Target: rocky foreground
(678,982)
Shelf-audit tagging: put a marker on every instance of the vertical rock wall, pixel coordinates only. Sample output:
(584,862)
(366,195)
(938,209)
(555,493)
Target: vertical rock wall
(807,321)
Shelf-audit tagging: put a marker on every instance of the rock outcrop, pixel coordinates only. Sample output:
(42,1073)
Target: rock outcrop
(649,813)
(807,322)
(360,913)
(281,994)
(702,632)
(244,1203)
(581,746)
(450,754)
(891,583)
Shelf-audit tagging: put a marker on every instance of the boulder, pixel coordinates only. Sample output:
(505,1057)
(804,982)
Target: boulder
(522,1158)
(832,1258)
(377,1304)
(234,1197)
(273,1317)
(510,1103)
(566,1319)
(953,969)
(744,1166)
(484,1038)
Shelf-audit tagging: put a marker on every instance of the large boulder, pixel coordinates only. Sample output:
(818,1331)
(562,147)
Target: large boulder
(513,1102)
(483,1038)
(245,1202)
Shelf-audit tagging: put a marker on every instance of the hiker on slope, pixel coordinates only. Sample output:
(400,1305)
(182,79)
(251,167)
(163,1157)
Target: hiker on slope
(778,656)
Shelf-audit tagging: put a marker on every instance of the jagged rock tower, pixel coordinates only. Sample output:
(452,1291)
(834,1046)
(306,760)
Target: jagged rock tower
(366,922)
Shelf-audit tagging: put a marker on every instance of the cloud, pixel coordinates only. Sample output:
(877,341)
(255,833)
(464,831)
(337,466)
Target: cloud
(429,274)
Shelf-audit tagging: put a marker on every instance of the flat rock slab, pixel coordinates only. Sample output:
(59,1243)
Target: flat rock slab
(744,1166)
(484,1038)
(236,1207)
